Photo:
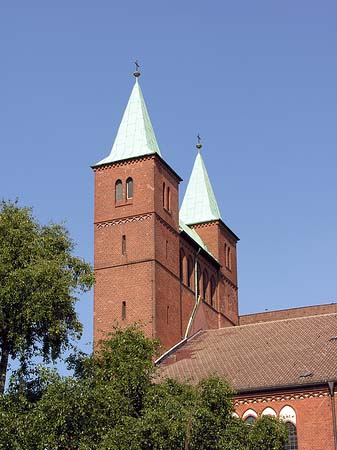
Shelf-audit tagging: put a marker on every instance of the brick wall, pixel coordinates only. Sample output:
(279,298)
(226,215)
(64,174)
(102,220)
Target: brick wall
(290,313)
(313,414)
(138,248)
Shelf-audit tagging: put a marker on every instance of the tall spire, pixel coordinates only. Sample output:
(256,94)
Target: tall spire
(199,204)
(135,136)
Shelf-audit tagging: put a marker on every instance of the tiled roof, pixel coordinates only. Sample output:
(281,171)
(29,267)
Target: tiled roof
(199,203)
(260,356)
(135,136)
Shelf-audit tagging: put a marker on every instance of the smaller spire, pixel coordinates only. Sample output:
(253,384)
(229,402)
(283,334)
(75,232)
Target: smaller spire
(136,73)
(199,204)
(199,144)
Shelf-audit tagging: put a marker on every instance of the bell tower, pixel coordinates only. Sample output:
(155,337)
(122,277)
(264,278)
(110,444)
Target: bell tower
(136,232)
(200,211)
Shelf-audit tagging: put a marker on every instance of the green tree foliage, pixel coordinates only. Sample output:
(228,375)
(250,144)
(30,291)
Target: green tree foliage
(39,281)
(115,401)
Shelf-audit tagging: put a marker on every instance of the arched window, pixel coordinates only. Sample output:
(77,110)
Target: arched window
(250,419)
(164,194)
(168,199)
(225,250)
(182,264)
(205,285)
(129,188)
(123,310)
(119,190)
(292,437)
(213,287)
(124,244)
(229,256)
(249,416)
(199,280)
(268,412)
(190,272)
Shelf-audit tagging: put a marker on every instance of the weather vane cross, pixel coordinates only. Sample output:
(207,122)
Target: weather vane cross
(199,144)
(136,73)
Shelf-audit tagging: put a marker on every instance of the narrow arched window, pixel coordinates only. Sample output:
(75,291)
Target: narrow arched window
(213,286)
(225,249)
(129,188)
(182,261)
(123,310)
(164,194)
(198,288)
(168,199)
(190,272)
(229,256)
(204,285)
(292,437)
(119,190)
(124,245)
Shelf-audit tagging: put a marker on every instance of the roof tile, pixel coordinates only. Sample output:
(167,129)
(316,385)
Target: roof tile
(262,355)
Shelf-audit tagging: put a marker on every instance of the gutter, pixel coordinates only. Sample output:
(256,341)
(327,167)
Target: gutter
(193,313)
(197,295)
(285,387)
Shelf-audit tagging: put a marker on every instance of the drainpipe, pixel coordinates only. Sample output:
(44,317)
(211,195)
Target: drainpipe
(333,410)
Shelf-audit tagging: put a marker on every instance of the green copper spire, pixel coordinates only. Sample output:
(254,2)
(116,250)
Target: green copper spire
(135,136)
(199,204)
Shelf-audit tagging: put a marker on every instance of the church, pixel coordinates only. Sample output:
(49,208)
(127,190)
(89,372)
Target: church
(174,270)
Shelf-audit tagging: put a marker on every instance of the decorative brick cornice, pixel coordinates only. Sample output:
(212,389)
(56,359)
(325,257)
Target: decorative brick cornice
(166,225)
(280,397)
(205,224)
(227,280)
(111,223)
(124,162)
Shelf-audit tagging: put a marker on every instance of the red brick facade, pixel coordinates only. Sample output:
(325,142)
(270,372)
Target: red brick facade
(312,407)
(145,265)
(150,269)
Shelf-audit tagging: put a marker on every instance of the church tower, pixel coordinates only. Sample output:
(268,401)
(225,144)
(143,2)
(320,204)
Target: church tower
(200,211)
(173,272)
(136,236)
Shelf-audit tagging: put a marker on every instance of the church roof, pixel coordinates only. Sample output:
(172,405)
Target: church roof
(199,203)
(135,136)
(261,356)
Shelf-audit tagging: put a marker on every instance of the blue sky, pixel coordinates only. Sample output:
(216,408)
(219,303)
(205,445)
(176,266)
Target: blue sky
(258,81)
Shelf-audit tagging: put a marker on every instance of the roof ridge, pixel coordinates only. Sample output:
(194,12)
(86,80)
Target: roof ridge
(276,320)
(291,309)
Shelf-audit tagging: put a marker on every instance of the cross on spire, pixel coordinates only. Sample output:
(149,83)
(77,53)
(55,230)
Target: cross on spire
(199,144)
(136,73)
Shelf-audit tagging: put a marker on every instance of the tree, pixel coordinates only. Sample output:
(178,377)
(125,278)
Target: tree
(115,402)
(39,281)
